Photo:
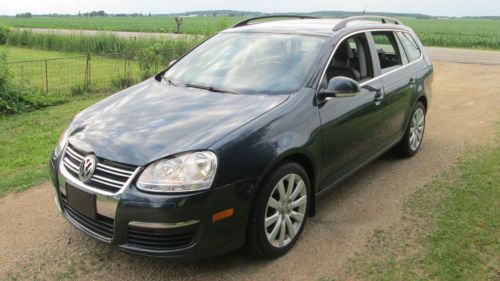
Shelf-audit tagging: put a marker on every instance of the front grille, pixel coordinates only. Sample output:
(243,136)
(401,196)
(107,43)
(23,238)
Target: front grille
(108,176)
(102,226)
(161,239)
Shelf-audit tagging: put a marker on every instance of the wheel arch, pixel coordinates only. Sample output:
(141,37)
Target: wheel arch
(304,160)
(423,100)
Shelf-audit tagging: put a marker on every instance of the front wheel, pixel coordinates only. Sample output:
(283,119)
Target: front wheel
(414,135)
(279,213)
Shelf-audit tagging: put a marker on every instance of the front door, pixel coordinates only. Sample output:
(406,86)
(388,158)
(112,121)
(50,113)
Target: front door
(350,124)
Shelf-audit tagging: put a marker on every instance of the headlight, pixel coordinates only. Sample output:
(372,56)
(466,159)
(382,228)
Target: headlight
(63,139)
(187,172)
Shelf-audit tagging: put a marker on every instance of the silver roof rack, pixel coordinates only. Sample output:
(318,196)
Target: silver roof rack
(343,23)
(248,21)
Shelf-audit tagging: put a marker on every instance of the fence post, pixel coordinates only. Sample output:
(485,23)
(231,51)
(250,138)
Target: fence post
(46,79)
(125,68)
(87,73)
(90,71)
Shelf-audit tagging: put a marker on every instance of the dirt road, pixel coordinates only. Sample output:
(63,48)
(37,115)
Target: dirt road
(464,55)
(37,243)
(437,54)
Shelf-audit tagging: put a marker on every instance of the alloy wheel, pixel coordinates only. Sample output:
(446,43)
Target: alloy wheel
(417,129)
(285,211)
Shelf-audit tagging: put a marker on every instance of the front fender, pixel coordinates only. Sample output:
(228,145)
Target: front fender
(292,128)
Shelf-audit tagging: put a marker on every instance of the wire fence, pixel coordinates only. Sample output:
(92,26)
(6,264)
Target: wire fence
(87,73)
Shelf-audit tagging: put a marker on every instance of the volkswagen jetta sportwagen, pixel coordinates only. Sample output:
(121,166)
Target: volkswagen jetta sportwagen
(233,143)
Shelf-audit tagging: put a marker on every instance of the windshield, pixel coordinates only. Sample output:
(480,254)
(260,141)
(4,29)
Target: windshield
(249,63)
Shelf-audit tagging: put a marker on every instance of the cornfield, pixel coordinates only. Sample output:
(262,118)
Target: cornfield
(460,33)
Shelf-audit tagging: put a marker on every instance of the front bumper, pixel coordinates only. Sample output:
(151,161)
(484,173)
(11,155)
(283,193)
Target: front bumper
(167,226)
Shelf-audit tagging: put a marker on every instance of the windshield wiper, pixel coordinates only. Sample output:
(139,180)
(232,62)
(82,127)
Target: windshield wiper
(210,88)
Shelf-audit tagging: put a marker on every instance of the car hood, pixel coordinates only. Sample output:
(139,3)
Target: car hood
(151,120)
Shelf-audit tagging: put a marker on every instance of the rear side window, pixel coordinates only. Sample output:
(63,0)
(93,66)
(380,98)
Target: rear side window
(411,47)
(388,51)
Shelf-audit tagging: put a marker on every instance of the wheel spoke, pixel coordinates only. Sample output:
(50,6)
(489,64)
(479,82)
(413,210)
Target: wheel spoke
(291,184)
(297,190)
(421,120)
(299,202)
(273,203)
(281,240)
(281,190)
(272,219)
(289,226)
(297,216)
(276,228)
(412,140)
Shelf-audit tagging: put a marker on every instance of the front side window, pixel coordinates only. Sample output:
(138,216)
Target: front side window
(249,63)
(411,47)
(351,59)
(388,51)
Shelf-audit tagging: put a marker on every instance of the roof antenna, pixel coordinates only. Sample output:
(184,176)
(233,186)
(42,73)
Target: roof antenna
(364,11)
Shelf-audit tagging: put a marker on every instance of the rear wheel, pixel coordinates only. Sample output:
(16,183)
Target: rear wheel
(279,213)
(414,135)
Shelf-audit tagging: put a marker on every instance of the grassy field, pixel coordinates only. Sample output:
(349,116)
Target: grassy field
(68,75)
(463,33)
(27,140)
(23,54)
(200,25)
(450,230)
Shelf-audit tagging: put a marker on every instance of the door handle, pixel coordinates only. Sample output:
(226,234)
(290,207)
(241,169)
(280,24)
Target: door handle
(412,82)
(379,97)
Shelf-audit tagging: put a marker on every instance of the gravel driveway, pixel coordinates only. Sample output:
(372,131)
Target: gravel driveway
(37,243)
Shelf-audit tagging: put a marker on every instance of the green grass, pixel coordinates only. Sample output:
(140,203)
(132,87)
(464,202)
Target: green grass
(24,54)
(450,231)
(200,25)
(68,75)
(461,33)
(97,44)
(28,139)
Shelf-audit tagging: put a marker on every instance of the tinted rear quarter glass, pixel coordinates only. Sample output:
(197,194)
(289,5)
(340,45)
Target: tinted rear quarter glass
(410,46)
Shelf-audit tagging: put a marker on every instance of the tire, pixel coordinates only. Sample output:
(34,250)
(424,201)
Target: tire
(279,212)
(414,135)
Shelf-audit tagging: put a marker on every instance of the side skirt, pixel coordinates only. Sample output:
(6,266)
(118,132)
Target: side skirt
(355,170)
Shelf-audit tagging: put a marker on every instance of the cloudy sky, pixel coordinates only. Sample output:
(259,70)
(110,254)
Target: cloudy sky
(431,7)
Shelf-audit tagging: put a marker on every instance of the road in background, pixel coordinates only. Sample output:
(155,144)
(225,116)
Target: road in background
(464,55)
(437,54)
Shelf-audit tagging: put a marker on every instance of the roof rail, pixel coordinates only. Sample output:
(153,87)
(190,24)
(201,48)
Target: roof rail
(248,21)
(343,23)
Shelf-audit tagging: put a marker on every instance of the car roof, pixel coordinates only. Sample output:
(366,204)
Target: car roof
(318,27)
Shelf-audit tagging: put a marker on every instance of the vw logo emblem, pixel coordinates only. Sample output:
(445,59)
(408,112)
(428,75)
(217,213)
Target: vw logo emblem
(87,167)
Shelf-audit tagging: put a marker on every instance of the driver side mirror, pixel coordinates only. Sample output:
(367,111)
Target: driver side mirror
(172,62)
(340,87)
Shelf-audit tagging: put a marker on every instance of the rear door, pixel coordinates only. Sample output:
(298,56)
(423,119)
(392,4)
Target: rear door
(398,79)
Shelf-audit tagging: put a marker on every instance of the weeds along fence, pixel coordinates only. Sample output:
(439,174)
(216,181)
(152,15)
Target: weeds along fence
(89,73)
